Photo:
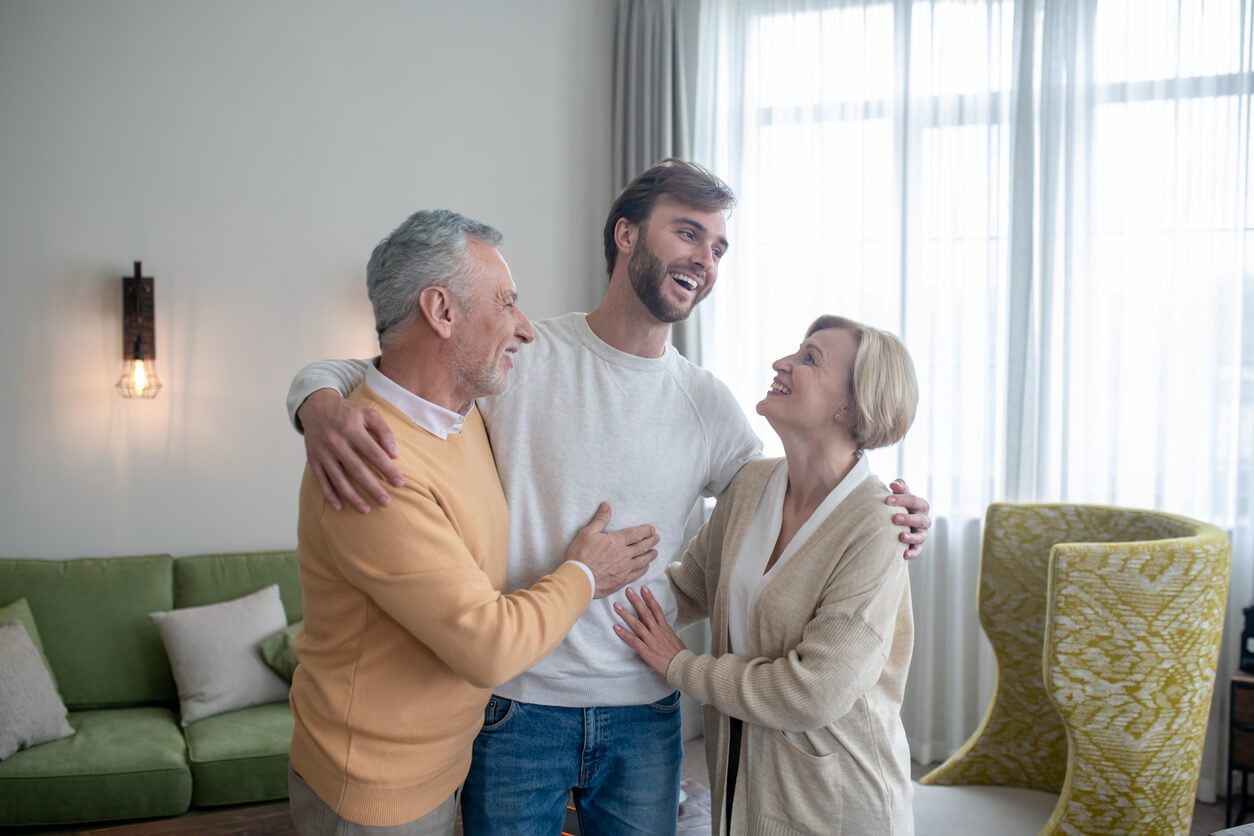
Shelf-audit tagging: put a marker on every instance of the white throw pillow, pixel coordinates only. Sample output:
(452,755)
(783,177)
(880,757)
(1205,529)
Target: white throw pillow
(31,711)
(214,657)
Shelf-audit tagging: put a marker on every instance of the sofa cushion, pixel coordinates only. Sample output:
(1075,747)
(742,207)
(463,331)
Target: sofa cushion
(20,610)
(121,764)
(210,578)
(214,655)
(31,712)
(93,619)
(240,756)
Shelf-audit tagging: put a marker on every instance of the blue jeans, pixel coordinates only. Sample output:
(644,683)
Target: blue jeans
(622,765)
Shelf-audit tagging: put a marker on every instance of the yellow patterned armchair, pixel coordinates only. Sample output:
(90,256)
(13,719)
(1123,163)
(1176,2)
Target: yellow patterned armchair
(1105,623)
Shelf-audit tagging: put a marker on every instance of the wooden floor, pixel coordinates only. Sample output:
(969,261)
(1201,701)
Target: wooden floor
(264,820)
(274,820)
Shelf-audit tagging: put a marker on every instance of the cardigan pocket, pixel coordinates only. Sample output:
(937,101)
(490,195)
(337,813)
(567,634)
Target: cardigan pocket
(766,826)
(837,793)
(817,743)
(792,791)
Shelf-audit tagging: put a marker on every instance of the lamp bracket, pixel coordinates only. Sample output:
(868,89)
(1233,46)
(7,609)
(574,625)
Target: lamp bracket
(139,339)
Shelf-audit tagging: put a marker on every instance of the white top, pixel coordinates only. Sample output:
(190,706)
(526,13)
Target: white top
(748,578)
(580,423)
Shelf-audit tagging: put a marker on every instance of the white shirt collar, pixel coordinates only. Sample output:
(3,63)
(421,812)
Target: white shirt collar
(432,417)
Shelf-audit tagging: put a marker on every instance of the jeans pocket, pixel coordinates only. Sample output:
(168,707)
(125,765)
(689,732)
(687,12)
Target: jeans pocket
(497,712)
(667,705)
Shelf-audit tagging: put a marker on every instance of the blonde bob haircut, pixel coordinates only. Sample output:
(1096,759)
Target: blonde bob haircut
(885,391)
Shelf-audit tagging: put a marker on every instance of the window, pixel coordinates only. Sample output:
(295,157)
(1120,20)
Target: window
(1050,201)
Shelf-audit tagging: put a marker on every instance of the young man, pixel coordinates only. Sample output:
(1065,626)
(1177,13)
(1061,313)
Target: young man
(406,629)
(602,406)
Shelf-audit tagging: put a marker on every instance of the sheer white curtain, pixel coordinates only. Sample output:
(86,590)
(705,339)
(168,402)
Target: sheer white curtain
(1050,202)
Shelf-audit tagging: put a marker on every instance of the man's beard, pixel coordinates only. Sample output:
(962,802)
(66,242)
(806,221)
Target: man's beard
(478,377)
(648,278)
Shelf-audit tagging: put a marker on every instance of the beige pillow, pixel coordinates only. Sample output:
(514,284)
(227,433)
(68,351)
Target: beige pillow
(20,610)
(31,711)
(214,653)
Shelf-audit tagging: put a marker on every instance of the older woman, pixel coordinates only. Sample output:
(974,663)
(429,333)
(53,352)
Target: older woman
(801,575)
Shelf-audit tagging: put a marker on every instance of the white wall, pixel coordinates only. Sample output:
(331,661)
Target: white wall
(251,154)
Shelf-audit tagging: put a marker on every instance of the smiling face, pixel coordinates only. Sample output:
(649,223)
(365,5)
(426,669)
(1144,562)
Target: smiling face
(674,260)
(493,326)
(813,387)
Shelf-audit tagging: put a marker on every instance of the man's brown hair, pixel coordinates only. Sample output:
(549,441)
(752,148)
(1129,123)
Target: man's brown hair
(681,180)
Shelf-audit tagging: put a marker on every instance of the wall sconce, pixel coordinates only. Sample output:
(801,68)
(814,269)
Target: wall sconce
(139,343)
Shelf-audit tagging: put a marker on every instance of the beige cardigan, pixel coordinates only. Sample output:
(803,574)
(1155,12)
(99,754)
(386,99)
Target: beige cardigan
(823,750)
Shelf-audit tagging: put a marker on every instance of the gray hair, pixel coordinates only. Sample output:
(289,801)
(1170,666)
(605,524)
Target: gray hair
(427,250)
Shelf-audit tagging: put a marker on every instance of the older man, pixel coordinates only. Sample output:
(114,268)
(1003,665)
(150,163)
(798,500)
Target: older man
(406,629)
(602,407)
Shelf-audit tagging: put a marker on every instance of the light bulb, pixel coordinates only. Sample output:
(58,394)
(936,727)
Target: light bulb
(139,379)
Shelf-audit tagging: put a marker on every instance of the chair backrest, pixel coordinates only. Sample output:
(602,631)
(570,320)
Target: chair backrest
(1023,739)
(1131,644)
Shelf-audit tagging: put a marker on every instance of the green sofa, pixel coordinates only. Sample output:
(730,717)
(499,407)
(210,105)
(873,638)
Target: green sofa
(129,757)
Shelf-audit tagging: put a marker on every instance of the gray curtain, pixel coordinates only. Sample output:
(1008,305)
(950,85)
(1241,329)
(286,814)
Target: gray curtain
(654,60)
(651,118)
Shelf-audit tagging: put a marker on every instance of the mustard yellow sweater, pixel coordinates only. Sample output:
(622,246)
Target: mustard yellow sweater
(406,629)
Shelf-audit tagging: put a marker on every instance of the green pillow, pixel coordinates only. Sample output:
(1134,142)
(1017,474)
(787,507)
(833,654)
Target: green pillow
(20,610)
(278,650)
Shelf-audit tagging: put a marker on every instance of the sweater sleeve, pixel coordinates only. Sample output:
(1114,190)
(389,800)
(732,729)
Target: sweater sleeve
(341,375)
(412,562)
(841,654)
(695,578)
(691,582)
(733,443)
